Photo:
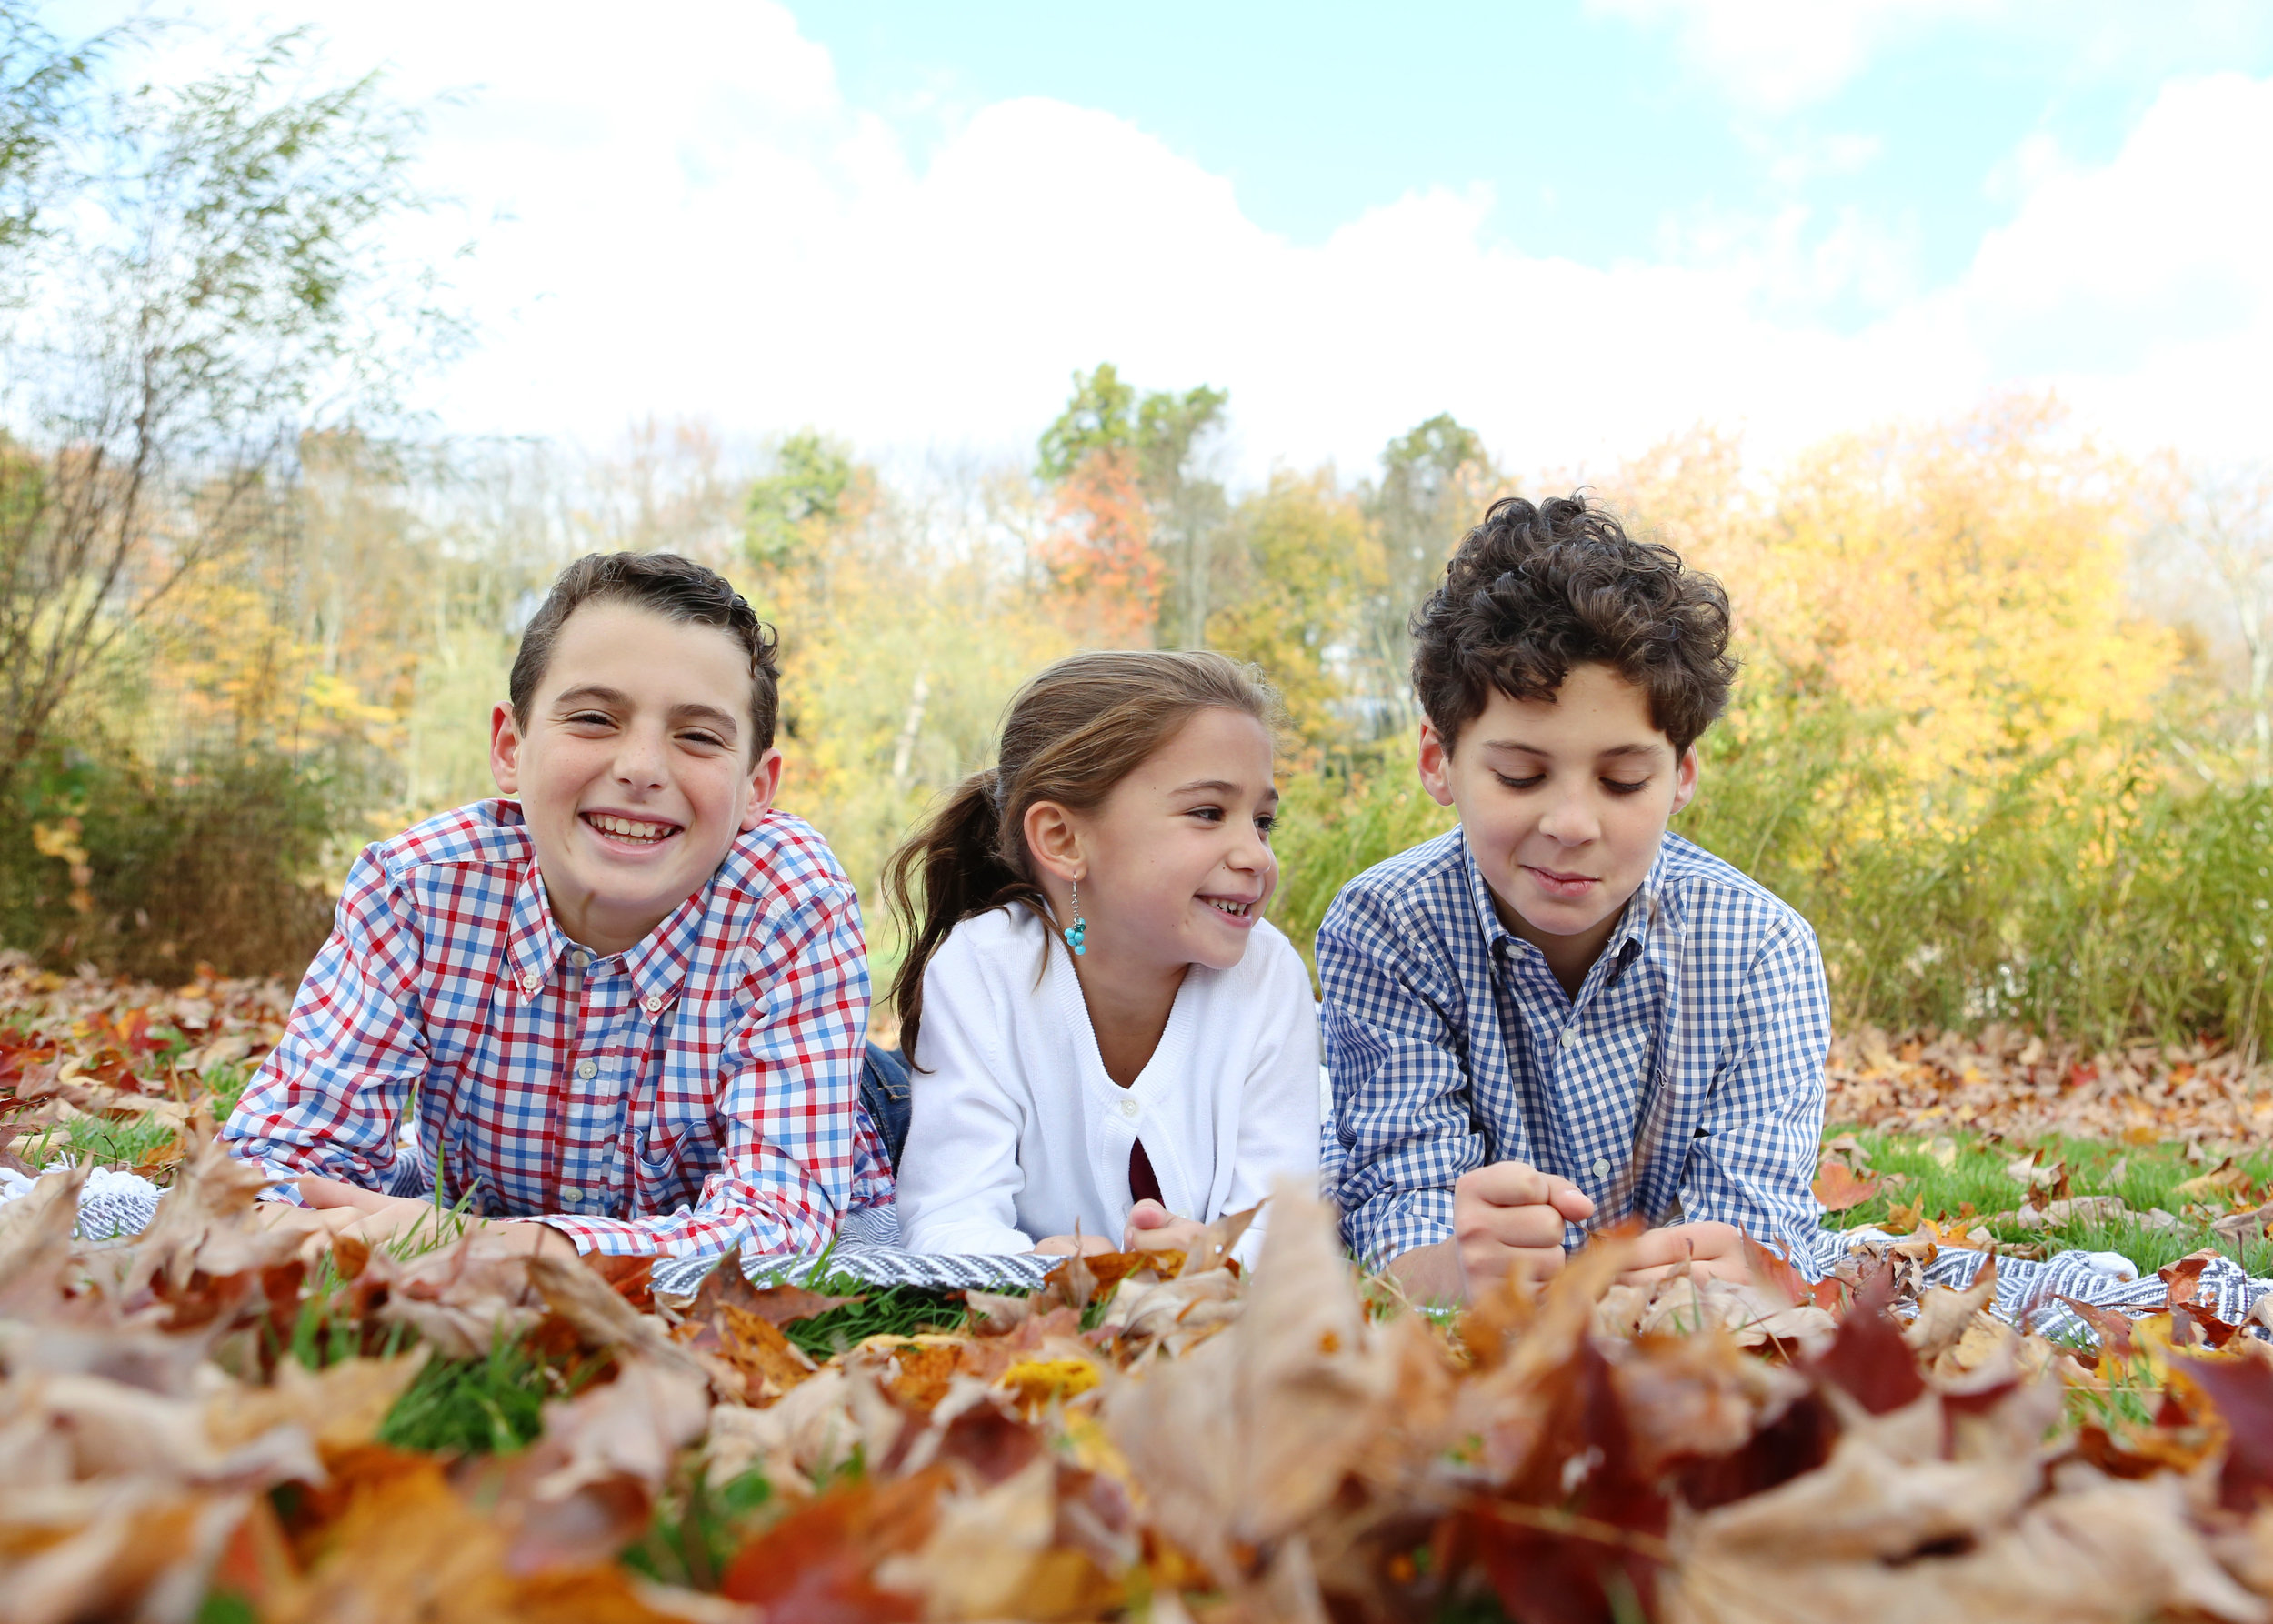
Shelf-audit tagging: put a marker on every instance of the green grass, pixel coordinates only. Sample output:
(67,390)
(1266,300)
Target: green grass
(127,1142)
(691,1540)
(490,1406)
(897,1311)
(2144,1176)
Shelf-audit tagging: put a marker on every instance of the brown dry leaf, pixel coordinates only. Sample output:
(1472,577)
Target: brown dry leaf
(343,1405)
(2224,1179)
(632,1427)
(1945,1315)
(812,1432)
(35,1234)
(127,1549)
(996,1554)
(995,1315)
(2109,1554)
(1245,1436)
(603,1321)
(207,1224)
(461,1299)
(1217,1240)
(777,1304)
(1837,1187)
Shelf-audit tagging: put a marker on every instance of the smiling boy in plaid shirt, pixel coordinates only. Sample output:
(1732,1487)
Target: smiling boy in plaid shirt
(629,1005)
(1559,1014)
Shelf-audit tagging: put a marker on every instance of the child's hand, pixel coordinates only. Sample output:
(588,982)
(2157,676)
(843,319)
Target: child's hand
(1152,1228)
(347,1210)
(1712,1252)
(1066,1246)
(1508,1219)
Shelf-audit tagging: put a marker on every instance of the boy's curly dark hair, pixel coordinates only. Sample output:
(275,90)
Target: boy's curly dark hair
(1535,590)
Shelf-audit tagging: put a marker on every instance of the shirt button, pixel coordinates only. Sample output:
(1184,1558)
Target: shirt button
(587,1071)
(575,1198)
(1570,1034)
(1129,1108)
(651,1003)
(1601,1166)
(583,959)
(532,981)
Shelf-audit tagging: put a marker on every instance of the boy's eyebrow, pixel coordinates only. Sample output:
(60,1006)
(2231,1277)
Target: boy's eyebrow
(1515,744)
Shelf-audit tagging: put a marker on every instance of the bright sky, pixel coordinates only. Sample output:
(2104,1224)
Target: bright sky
(1577,226)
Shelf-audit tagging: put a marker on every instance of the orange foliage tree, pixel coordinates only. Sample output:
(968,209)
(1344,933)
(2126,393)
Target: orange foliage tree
(1099,553)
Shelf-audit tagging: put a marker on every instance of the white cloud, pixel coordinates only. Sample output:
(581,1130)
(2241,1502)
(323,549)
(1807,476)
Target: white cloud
(1777,54)
(700,224)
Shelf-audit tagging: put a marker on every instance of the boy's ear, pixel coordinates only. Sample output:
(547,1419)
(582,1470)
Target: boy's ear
(1053,842)
(1684,779)
(505,750)
(1436,765)
(764,783)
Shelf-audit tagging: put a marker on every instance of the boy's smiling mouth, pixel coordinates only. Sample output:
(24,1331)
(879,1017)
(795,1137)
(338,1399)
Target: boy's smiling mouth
(1241,909)
(629,831)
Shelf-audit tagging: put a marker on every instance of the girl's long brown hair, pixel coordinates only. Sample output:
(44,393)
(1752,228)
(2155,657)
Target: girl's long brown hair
(1070,736)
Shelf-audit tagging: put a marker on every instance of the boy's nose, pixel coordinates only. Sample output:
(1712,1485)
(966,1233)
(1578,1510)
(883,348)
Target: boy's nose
(639,759)
(1571,821)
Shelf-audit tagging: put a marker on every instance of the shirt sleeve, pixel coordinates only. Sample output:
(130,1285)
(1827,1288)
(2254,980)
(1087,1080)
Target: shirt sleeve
(1754,1164)
(788,1105)
(1401,1098)
(960,1175)
(330,1098)
(1278,1112)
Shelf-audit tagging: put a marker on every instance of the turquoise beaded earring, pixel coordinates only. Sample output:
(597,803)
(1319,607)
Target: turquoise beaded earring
(1077,934)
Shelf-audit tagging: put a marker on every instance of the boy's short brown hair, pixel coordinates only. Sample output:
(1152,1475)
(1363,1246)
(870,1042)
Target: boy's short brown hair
(663,584)
(1535,590)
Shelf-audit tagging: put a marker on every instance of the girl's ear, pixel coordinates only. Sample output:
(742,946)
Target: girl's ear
(1053,842)
(505,750)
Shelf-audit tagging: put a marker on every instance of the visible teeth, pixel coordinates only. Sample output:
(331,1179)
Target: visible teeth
(1237,910)
(628,829)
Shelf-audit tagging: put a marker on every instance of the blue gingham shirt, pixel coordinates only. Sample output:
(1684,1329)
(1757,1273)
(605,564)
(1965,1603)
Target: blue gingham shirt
(1684,1082)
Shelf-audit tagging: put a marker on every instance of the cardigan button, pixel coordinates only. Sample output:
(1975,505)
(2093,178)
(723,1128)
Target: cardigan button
(1129,1108)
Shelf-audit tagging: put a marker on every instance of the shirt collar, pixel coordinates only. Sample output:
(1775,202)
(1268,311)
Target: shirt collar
(658,964)
(1644,911)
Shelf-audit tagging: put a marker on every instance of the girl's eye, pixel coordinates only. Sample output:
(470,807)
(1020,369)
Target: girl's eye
(1212,814)
(1533,782)
(1267,823)
(1619,786)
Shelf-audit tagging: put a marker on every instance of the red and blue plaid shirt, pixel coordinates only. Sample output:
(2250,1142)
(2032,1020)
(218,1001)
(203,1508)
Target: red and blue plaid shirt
(698,1090)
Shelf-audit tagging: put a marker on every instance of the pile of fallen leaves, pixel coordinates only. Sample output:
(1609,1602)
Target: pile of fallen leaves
(2017,1085)
(197,1425)
(1162,1438)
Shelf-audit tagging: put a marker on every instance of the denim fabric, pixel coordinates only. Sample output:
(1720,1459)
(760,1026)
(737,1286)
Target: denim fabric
(884,1095)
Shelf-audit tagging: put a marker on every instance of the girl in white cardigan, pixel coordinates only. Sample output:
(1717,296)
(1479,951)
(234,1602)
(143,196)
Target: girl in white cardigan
(1108,1039)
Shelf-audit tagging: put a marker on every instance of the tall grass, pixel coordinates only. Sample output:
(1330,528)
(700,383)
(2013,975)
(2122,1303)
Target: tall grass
(2091,887)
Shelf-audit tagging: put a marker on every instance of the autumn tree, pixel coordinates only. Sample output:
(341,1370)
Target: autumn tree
(1152,449)
(2224,526)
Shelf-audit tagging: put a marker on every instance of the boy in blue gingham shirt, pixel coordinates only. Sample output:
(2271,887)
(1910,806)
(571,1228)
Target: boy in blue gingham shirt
(1559,1014)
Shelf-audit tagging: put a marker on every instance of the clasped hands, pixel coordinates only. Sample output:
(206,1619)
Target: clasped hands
(337,1210)
(1151,1227)
(1508,1220)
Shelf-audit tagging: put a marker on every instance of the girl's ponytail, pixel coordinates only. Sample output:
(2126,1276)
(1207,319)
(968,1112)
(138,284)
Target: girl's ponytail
(950,870)
(1069,737)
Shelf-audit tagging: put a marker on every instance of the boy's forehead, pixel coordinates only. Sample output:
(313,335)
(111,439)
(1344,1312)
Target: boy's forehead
(617,643)
(1595,711)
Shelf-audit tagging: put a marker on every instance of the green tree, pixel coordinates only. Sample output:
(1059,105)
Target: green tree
(1432,484)
(792,511)
(1101,417)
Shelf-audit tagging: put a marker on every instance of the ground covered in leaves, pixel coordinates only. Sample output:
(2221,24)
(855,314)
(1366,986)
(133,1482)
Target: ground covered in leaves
(196,1425)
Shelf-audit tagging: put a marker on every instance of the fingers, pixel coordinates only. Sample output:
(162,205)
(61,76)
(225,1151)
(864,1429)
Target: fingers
(1534,1226)
(1573,1203)
(1149,1213)
(321,1192)
(1519,1184)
